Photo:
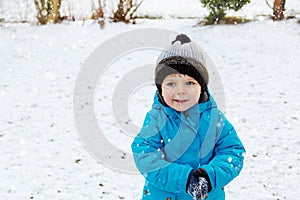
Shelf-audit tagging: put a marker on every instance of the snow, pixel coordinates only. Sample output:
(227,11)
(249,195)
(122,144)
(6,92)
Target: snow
(43,155)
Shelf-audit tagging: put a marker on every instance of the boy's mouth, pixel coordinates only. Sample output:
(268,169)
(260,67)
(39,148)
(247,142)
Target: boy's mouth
(180,101)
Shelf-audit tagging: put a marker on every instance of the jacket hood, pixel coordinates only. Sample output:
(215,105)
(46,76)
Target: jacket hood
(198,108)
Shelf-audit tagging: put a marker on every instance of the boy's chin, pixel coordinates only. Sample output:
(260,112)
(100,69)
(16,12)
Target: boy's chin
(180,109)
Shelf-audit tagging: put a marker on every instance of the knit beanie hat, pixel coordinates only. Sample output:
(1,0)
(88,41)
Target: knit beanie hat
(182,57)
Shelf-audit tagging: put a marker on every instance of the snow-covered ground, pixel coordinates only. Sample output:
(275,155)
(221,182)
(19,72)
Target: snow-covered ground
(42,154)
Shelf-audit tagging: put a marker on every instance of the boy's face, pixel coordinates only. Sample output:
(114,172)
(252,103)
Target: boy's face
(180,91)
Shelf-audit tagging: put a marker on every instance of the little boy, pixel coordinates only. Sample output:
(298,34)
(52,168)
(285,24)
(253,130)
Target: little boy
(186,148)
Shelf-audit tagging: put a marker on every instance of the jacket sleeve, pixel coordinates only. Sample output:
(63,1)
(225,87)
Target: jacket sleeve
(228,156)
(148,154)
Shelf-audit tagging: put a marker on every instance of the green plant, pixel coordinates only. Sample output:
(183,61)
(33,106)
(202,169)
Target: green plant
(217,8)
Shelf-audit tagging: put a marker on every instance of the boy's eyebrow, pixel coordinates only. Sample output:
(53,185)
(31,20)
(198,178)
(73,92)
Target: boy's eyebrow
(170,79)
(191,79)
(175,78)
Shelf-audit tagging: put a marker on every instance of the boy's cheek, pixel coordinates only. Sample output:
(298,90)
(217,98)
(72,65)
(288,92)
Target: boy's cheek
(167,94)
(167,90)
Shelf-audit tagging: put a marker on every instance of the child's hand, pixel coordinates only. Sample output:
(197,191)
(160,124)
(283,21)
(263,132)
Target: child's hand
(198,185)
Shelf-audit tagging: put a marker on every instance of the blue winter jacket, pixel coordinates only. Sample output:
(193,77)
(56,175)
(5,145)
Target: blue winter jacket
(171,144)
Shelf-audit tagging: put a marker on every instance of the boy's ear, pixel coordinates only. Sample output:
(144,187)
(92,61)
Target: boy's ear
(203,97)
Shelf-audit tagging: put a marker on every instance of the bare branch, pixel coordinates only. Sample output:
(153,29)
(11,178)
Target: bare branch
(268,4)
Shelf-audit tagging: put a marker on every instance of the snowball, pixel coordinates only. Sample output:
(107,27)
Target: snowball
(3,93)
(22,141)
(44,12)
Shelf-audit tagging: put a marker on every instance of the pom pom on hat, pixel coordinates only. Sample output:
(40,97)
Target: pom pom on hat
(182,38)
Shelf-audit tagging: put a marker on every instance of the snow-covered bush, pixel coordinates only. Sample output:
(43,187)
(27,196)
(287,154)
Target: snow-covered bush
(48,11)
(98,11)
(217,8)
(126,11)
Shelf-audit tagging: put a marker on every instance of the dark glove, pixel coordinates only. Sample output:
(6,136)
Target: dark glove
(198,184)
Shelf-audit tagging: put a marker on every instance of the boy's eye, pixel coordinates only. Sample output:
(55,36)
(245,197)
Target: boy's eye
(190,83)
(171,84)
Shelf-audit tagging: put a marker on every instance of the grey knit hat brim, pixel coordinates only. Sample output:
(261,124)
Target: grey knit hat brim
(178,64)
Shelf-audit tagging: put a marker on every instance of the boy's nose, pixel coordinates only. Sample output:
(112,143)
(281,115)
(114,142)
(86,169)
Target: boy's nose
(180,89)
